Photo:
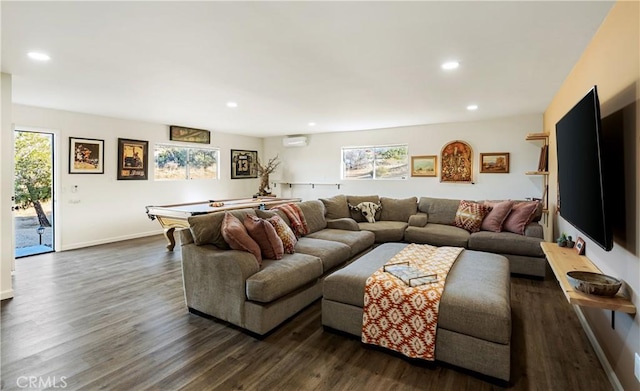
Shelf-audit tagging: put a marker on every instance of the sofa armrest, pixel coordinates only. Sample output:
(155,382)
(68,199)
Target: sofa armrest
(215,280)
(534,230)
(418,220)
(345,223)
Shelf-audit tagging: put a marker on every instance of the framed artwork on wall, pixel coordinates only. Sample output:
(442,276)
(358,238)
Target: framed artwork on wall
(132,159)
(495,163)
(456,162)
(424,166)
(86,156)
(244,164)
(190,135)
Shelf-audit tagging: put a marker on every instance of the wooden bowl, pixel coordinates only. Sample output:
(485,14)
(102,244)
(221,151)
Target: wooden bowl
(594,283)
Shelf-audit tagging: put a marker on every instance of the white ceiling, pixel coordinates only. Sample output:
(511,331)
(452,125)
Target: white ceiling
(344,65)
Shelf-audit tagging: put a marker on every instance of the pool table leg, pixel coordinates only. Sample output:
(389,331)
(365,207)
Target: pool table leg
(168,233)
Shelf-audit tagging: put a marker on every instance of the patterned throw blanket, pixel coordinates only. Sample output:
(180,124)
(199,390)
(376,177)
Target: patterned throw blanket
(296,217)
(401,317)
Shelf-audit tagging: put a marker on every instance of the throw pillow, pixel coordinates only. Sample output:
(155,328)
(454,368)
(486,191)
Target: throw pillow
(496,217)
(521,215)
(368,210)
(265,235)
(285,233)
(470,215)
(235,234)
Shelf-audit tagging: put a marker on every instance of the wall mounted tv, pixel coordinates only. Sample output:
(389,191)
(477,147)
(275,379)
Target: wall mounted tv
(582,163)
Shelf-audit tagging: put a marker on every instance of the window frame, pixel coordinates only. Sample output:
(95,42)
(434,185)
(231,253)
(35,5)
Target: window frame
(189,149)
(373,148)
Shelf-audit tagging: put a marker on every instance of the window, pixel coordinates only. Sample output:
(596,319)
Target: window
(174,162)
(379,162)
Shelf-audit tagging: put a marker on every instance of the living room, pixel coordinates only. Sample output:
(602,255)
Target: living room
(610,61)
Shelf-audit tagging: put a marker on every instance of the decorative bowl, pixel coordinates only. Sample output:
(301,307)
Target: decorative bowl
(594,283)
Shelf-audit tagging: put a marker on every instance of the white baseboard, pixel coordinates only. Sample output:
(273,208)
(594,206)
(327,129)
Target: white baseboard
(74,246)
(6,294)
(608,370)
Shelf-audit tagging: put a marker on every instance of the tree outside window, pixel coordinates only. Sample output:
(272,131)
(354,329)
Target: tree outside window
(375,162)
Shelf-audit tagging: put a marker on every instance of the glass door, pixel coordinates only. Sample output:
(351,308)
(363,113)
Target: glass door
(33,193)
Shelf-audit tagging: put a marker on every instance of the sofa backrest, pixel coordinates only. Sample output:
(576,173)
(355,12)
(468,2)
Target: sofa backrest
(394,209)
(313,211)
(206,229)
(439,210)
(336,207)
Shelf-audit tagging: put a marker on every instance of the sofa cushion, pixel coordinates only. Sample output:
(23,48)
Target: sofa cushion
(385,231)
(265,235)
(345,223)
(505,243)
(331,253)
(496,217)
(285,233)
(207,229)
(336,207)
(265,214)
(278,278)
(521,214)
(398,209)
(437,235)
(439,210)
(358,241)
(355,200)
(470,215)
(237,237)
(313,211)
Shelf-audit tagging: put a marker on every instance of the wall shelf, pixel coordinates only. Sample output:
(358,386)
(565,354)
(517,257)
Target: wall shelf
(312,184)
(563,260)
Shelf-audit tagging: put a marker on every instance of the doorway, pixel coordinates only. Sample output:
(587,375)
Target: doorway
(33,197)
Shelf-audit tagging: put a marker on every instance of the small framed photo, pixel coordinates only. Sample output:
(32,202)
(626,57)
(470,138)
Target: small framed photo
(579,246)
(494,163)
(133,156)
(86,156)
(244,164)
(189,135)
(424,166)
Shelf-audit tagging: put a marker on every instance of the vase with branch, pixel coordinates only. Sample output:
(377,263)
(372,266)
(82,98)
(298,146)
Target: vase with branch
(264,170)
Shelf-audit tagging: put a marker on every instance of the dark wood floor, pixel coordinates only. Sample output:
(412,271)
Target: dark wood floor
(113,317)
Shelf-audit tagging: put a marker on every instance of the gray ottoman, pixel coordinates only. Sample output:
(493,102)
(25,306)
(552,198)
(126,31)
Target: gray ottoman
(474,323)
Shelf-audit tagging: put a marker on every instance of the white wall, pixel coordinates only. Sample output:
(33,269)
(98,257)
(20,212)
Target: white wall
(320,160)
(6,191)
(111,210)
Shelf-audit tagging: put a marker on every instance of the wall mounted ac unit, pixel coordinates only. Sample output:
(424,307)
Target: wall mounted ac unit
(297,141)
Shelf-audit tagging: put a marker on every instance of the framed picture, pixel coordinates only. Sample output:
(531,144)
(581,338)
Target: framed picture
(456,163)
(244,164)
(579,246)
(190,135)
(424,165)
(494,163)
(86,156)
(132,159)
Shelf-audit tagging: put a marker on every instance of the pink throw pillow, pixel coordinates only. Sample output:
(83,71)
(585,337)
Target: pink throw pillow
(470,215)
(285,233)
(521,215)
(496,217)
(236,236)
(265,235)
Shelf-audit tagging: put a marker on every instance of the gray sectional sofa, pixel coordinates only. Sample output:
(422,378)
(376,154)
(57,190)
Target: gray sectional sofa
(231,286)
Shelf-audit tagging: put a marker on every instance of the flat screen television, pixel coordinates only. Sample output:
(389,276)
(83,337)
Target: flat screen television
(582,179)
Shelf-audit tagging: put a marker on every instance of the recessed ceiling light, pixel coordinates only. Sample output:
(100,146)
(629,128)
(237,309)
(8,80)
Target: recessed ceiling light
(450,65)
(472,107)
(312,124)
(232,104)
(38,56)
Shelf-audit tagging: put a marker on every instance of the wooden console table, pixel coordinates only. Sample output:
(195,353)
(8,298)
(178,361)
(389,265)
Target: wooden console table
(563,260)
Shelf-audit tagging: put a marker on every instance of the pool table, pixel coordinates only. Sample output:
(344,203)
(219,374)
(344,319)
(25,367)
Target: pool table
(175,216)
